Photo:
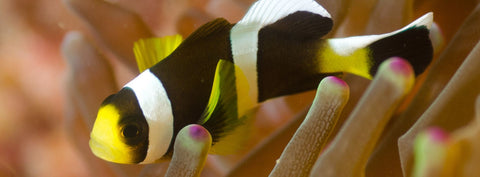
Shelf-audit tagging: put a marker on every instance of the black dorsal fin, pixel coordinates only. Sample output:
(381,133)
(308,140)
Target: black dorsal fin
(210,28)
(303,25)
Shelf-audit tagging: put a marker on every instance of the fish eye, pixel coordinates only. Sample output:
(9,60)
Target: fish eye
(131,131)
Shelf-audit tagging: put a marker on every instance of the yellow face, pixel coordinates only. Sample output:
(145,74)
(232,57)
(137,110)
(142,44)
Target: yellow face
(119,135)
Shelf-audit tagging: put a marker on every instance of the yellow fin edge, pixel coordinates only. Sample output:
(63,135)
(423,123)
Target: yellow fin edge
(150,51)
(215,93)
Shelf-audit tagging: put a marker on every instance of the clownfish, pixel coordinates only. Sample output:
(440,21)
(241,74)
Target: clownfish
(222,71)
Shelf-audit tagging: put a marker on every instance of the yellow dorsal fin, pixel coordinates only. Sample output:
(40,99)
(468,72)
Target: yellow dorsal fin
(150,51)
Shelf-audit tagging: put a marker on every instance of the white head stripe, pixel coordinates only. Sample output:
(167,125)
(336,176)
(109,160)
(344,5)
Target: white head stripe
(157,109)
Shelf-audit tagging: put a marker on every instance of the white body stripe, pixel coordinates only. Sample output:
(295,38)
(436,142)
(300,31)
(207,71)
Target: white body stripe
(244,51)
(346,46)
(269,11)
(244,35)
(157,109)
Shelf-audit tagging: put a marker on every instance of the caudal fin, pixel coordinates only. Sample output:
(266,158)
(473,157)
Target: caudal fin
(412,44)
(362,55)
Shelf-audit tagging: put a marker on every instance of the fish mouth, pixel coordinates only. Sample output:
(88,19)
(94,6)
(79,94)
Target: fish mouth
(103,151)
(99,150)
(109,153)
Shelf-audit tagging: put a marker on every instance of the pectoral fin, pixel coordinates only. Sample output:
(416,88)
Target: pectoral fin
(221,117)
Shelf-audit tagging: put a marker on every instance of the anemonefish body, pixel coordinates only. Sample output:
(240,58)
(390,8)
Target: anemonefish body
(223,70)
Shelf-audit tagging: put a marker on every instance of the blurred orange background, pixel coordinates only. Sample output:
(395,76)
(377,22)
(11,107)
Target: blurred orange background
(33,141)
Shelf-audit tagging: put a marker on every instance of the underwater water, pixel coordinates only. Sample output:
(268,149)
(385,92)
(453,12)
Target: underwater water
(60,59)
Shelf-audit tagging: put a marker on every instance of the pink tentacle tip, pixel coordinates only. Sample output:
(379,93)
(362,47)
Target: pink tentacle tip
(437,134)
(400,66)
(336,81)
(198,132)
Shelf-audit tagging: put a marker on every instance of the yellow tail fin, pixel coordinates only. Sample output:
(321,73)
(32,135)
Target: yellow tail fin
(357,62)
(362,55)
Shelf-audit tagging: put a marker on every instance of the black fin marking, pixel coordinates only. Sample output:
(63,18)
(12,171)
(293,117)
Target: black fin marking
(220,116)
(412,44)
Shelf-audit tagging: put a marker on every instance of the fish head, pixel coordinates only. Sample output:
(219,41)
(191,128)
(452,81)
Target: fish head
(120,132)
